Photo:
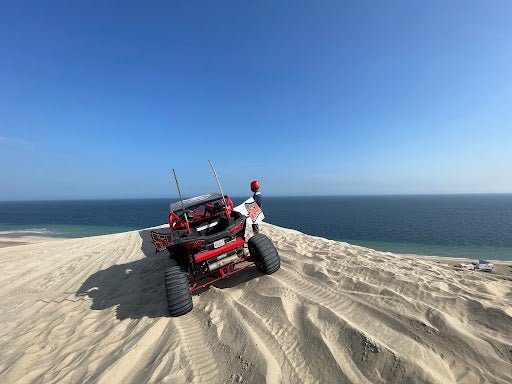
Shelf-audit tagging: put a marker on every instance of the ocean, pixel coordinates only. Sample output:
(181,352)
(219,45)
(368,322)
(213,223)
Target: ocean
(472,226)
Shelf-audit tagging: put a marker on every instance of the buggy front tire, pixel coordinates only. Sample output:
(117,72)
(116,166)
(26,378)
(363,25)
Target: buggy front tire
(177,292)
(265,254)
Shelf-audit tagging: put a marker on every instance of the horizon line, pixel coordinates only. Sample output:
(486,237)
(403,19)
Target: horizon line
(278,195)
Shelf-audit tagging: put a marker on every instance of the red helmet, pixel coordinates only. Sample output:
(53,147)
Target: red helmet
(255,185)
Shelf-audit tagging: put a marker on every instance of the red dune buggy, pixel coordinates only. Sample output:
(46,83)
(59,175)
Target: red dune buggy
(207,243)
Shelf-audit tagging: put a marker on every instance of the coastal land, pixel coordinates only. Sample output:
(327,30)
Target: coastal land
(23,237)
(93,310)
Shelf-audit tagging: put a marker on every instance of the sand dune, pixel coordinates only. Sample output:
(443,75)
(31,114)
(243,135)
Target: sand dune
(93,310)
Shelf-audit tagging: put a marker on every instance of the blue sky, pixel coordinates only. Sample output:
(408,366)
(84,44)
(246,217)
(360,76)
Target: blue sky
(102,100)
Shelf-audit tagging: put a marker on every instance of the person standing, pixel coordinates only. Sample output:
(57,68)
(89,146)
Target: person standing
(255,188)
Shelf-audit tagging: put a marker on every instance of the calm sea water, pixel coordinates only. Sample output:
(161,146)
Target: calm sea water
(474,226)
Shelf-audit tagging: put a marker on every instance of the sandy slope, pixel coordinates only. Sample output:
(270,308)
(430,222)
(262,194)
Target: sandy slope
(92,310)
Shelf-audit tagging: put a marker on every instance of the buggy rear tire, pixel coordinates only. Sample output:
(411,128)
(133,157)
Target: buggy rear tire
(177,292)
(265,254)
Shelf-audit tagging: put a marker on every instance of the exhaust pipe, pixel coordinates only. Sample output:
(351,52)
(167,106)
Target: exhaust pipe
(222,262)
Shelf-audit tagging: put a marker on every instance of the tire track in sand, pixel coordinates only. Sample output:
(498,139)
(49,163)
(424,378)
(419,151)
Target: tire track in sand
(202,366)
(386,335)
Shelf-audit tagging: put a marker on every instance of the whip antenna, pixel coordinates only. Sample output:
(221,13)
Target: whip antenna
(218,183)
(181,198)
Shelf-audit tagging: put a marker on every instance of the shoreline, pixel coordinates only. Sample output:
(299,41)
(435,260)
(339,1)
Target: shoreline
(14,238)
(439,258)
(502,268)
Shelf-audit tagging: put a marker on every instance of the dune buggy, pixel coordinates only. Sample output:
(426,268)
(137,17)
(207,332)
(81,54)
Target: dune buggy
(207,243)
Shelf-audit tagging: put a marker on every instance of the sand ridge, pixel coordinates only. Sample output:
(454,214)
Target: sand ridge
(92,310)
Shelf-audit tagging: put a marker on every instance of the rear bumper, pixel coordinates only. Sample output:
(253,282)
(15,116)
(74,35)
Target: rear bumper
(203,280)
(205,255)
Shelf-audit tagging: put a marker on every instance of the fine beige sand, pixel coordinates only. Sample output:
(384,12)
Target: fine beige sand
(92,310)
(23,237)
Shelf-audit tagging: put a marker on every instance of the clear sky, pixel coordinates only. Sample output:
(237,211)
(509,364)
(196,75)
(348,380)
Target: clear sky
(102,100)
